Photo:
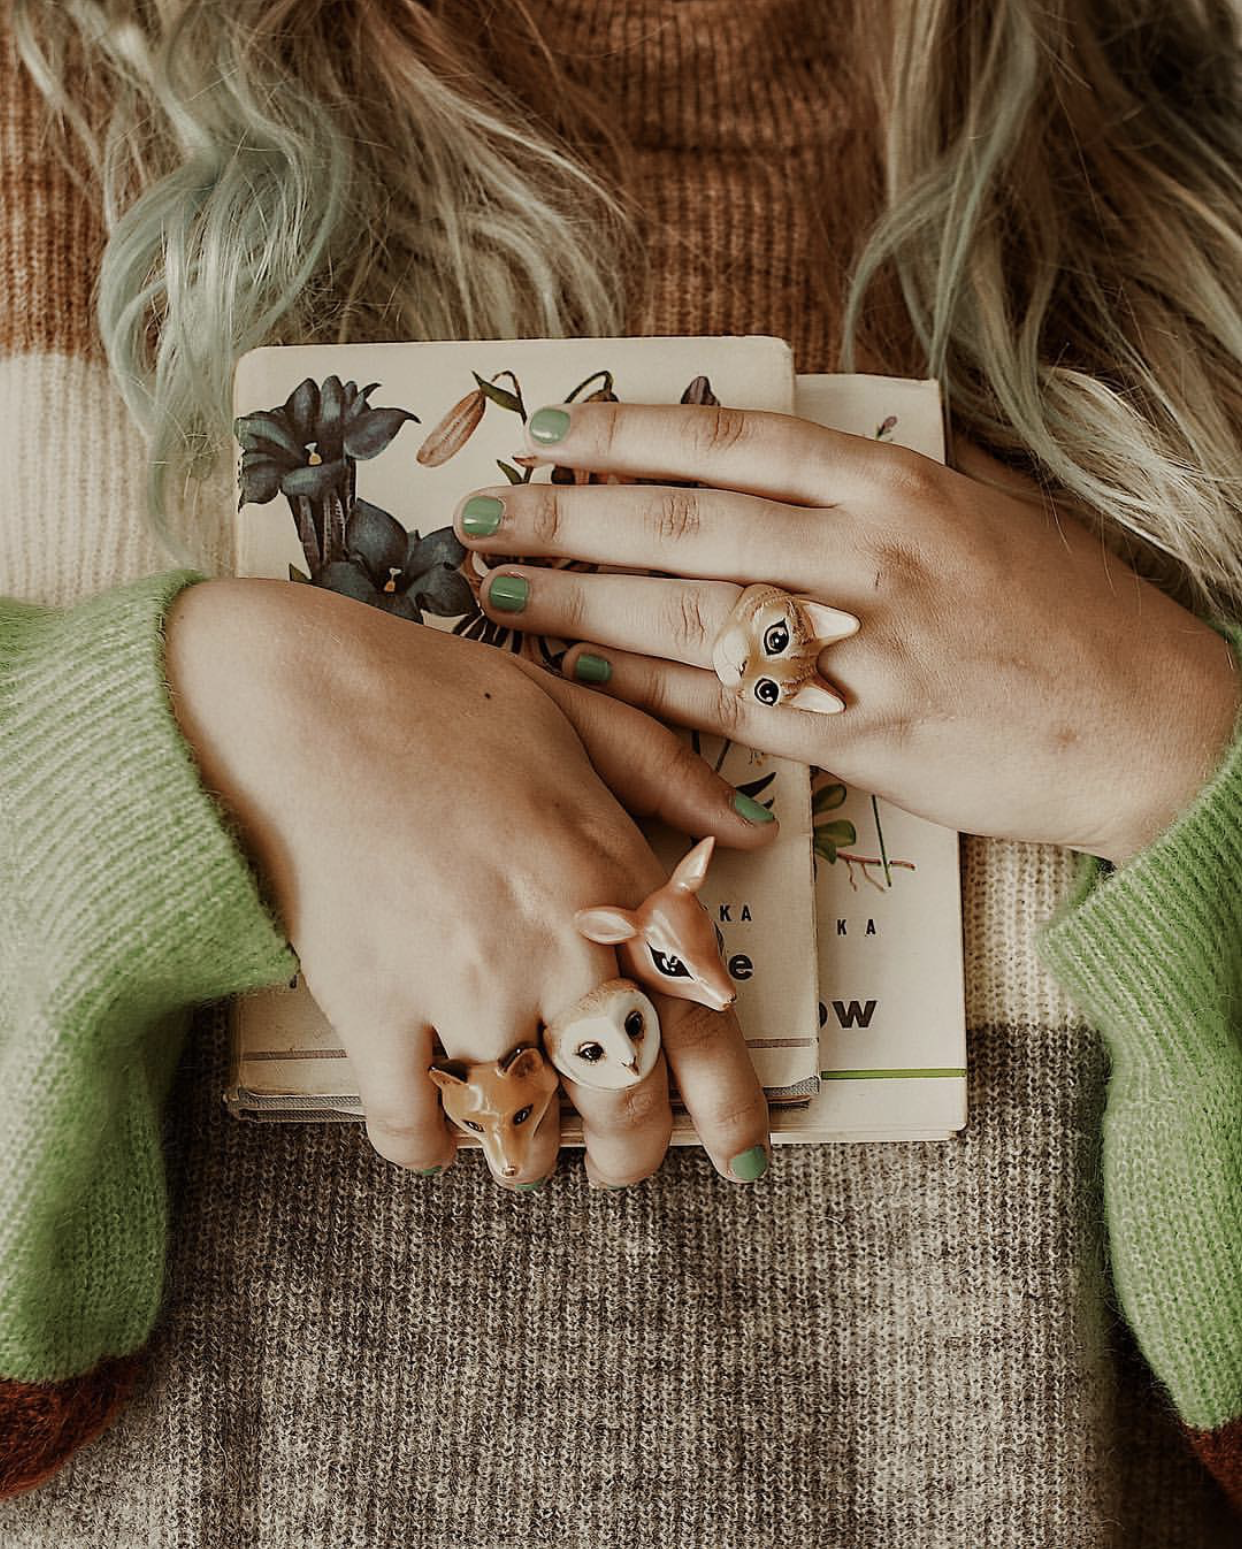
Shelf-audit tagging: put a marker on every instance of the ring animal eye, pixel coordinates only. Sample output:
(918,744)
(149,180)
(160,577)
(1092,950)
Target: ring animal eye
(478,1128)
(776,639)
(634,1026)
(521,1116)
(767,692)
(669,965)
(591,1052)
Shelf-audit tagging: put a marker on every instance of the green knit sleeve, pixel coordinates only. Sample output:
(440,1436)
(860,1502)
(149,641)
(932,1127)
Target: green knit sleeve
(1151,953)
(124,900)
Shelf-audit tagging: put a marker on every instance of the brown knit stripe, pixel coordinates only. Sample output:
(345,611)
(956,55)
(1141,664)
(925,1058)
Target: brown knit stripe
(51,236)
(1221,1450)
(43,1423)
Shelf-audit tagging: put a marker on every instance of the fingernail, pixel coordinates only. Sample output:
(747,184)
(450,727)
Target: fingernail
(481,515)
(592,669)
(538,1184)
(747,807)
(548,426)
(750,1164)
(509,593)
(429,1172)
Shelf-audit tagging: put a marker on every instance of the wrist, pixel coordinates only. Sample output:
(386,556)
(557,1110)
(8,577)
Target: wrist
(1202,693)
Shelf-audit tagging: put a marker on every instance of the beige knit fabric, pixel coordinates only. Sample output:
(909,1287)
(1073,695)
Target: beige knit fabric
(877,1345)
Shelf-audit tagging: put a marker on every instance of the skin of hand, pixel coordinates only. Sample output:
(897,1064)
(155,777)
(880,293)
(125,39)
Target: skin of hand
(1011,677)
(427,814)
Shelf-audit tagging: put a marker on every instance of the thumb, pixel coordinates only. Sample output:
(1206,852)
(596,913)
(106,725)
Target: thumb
(655,773)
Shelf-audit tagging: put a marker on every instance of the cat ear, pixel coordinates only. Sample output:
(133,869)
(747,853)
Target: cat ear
(445,1078)
(606,925)
(816,697)
(828,624)
(692,868)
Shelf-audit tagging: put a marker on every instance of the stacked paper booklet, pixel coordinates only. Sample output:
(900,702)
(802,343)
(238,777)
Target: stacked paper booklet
(844,937)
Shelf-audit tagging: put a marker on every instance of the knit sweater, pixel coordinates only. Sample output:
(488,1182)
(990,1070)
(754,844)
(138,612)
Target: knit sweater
(878,1344)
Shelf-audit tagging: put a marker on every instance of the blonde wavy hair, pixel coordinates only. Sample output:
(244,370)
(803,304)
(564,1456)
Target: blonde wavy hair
(1059,239)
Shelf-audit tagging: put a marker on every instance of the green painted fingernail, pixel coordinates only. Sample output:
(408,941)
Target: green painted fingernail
(509,593)
(481,515)
(429,1172)
(750,1164)
(538,1184)
(747,807)
(548,425)
(592,669)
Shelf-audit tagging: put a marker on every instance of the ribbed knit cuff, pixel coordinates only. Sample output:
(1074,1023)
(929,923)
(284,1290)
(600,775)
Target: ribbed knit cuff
(129,875)
(1129,944)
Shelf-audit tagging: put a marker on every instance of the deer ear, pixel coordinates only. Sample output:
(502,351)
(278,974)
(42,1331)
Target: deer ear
(817,697)
(691,869)
(446,1079)
(606,925)
(522,1064)
(828,624)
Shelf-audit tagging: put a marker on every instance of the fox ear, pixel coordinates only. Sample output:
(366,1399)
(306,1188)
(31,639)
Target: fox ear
(828,624)
(691,869)
(522,1064)
(445,1078)
(817,697)
(606,925)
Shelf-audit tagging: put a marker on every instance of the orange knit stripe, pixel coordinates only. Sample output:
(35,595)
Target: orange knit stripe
(1221,1450)
(43,1423)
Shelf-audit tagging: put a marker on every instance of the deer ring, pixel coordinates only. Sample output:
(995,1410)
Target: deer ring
(769,649)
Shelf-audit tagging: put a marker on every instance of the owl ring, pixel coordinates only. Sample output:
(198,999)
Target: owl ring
(768,650)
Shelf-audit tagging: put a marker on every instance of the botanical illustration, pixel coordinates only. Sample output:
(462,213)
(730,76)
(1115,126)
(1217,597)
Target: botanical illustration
(831,835)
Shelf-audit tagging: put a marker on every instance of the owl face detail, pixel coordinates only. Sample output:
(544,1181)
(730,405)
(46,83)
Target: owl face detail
(769,649)
(609,1038)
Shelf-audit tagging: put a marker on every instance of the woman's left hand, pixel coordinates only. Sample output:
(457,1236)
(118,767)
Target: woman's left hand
(1011,676)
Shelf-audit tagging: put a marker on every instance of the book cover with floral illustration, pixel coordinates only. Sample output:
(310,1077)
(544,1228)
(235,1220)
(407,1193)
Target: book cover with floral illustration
(351,461)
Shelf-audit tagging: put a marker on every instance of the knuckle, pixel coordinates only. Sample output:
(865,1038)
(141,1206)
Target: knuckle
(719,430)
(729,711)
(676,515)
(698,1029)
(685,622)
(406,1142)
(737,1114)
(643,1103)
(546,516)
(907,476)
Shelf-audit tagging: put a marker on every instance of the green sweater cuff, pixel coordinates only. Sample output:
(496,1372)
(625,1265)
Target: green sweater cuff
(128,870)
(124,899)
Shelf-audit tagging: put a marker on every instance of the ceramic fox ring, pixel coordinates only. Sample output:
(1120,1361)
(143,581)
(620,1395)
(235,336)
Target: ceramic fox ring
(769,649)
(608,1038)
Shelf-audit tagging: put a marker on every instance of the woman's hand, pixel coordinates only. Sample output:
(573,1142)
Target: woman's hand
(428,814)
(1011,677)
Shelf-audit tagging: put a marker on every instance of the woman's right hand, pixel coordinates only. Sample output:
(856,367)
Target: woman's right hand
(428,814)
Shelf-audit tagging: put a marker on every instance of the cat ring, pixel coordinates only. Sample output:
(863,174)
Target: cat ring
(769,649)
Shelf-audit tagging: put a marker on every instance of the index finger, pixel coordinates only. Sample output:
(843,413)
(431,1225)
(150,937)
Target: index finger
(750,450)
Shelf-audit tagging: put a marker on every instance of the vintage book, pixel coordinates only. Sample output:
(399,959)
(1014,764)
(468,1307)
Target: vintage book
(855,1025)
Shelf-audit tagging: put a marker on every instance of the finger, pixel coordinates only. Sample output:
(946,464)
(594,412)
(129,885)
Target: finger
(714,534)
(678,620)
(752,451)
(691,697)
(655,773)
(627,1131)
(401,1105)
(717,1082)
